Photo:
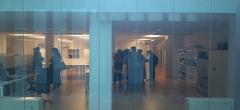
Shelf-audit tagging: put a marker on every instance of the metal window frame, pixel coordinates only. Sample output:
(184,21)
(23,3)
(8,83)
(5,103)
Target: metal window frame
(237,56)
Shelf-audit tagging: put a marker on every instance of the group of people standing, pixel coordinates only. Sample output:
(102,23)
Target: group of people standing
(131,63)
(47,79)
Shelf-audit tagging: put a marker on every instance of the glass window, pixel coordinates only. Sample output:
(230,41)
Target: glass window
(119,55)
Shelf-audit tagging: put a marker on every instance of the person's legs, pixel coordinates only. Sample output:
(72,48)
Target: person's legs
(118,79)
(57,78)
(152,75)
(136,88)
(114,77)
(147,71)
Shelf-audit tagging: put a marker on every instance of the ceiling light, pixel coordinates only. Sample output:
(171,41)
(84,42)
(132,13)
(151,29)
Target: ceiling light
(144,39)
(154,36)
(32,36)
(79,36)
(65,40)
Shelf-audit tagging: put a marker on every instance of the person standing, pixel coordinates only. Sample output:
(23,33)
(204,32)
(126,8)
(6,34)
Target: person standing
(118,67)
(41,76)
(126,53)
(147,68)
(141,60)
(153,61)
(42,86)
(58,66)
(135,70)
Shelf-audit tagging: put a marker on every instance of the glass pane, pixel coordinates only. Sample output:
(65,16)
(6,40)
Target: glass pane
(192,47)
(221,67)
(158,55)
(142,77)
(13,66)
(183,45)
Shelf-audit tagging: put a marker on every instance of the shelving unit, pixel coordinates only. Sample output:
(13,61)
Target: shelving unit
(193,68)
(206,70)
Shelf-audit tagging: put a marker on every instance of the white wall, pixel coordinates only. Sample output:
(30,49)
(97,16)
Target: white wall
(83,46)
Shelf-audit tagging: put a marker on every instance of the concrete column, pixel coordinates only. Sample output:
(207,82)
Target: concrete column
(100,91)
(10,45)
(49,42)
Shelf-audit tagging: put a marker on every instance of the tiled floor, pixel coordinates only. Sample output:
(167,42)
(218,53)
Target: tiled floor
(164,95)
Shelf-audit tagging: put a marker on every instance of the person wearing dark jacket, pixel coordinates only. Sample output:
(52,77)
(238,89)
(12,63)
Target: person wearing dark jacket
(42,86)
(153,61)
(118,66)
(58,66)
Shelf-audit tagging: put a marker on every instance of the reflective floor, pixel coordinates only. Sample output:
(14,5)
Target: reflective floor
(72,94)
(164,95)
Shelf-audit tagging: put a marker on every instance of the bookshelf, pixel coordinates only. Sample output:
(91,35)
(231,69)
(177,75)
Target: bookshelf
(193,67)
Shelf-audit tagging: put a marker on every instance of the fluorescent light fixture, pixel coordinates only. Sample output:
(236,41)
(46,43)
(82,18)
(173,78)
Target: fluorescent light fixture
(143,39)
(65,40)
(154,36)
(32,36)
(79,36)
